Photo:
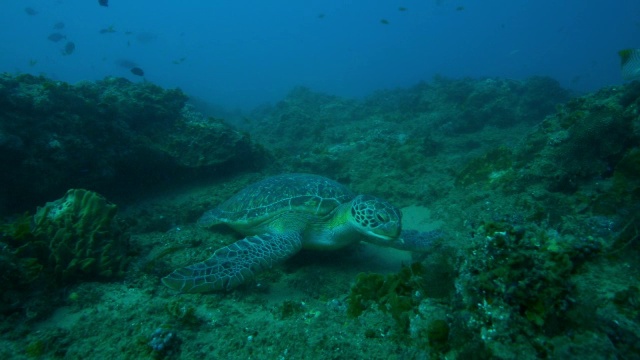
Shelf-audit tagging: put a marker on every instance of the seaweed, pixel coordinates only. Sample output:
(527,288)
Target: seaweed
(67,240)
(396,294)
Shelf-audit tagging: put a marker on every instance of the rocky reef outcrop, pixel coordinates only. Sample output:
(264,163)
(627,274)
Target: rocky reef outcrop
(113,136)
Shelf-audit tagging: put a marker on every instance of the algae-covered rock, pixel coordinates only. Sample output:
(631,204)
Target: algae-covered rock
(204,142)
(487,168)
(583,141)
(519,281)
(407,135)
(72,239)
(120,138)
(397,294)
(81,236)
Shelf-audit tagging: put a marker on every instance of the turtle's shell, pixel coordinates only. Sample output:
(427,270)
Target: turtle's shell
(306,193)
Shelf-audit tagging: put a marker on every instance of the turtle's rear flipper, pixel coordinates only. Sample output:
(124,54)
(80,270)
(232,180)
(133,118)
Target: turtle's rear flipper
(233,265)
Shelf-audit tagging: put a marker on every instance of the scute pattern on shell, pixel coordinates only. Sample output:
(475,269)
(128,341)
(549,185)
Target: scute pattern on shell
(307,193)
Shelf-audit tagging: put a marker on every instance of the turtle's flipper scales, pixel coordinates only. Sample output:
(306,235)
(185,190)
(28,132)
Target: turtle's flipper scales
(233,265)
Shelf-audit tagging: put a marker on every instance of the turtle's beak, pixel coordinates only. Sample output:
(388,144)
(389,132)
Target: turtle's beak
(383,240)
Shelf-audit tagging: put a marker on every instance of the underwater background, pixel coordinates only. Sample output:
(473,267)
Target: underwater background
(506,126)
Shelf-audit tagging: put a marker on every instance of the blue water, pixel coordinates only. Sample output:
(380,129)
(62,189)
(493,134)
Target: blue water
(239,54)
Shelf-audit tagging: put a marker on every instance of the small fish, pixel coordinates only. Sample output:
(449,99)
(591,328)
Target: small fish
(30,11)
(402,8)
(55,37)
(137,71)
(107,30)
(179,61)
(33,62)
(58,26)
(384,21)
(103,2)
(321,16)
(460,8)
(69,48)
(630,64)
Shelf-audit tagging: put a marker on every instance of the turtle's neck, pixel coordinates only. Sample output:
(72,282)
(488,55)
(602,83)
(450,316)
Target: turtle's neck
(333,231)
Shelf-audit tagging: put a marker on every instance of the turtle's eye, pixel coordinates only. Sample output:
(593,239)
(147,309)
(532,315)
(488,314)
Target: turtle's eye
(382,217)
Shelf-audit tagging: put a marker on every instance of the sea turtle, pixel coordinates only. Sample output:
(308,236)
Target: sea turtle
(282,215)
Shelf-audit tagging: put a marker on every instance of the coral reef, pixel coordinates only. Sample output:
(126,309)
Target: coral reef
(407,297)
(517,282)
(544,209)
(585,139)
(398,132)
(198,142)
(82,237)
(114,136)
(539,201)
(486,169)
(75,238)
(164,344)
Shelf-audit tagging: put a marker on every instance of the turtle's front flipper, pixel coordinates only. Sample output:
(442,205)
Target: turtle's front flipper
(232,265)
(418,241)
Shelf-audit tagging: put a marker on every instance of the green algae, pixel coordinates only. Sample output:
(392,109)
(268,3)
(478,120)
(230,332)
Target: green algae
(68,240)
(394,294)
(487,168)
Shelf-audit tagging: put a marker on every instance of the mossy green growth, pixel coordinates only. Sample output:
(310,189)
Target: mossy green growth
(628,301)
(625,56)
(626,179)
(288,308)
(20,265)
(438,334)
(397,294)
(35,349)
(71,239)
(624,193)
(47,344)
(526,272)
(18,232)
(182,315)
(486,168)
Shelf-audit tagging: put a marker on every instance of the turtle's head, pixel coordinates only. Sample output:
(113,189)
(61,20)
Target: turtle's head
(377,219)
